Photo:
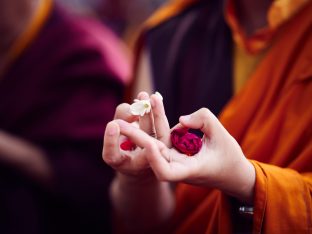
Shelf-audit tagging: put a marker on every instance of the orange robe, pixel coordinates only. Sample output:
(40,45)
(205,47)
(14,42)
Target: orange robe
(271,118)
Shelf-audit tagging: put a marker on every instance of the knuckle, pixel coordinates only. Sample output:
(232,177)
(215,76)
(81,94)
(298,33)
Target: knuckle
(205,113)
(121,110)
(120,107)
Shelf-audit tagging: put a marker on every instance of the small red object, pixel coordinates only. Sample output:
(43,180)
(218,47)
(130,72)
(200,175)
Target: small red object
(186,142)
(128,145)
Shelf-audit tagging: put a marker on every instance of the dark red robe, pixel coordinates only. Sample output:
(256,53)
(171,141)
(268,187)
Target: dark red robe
(59,94)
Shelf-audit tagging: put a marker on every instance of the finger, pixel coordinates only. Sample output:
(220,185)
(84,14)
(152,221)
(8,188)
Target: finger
(159,159)
(178,125)
(155,151)
(136,135)
(202,119)
(146,121)
(111,153)
(123,112)
(161,123)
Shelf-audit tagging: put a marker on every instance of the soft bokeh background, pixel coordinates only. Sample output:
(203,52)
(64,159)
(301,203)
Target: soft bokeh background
(123,16)
(62,74)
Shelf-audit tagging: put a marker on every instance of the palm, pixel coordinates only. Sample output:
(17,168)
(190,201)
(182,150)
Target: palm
(180,167)
(133,162)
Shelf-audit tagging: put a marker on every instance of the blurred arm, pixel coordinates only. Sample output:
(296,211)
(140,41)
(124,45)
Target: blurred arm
(24,156)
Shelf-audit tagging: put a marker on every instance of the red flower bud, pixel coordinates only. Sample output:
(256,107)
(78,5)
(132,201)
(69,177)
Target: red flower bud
(127,145)
(186,142)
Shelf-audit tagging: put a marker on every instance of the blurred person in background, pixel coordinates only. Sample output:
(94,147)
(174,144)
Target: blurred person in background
(249,62)
(123,16)
(61,78)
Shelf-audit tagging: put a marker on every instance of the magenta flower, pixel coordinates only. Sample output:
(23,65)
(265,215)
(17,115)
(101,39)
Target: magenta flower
(128,145)
(185,142)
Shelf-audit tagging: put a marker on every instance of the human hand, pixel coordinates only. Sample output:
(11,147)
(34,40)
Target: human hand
(136,193)
(220,163)
(134,163)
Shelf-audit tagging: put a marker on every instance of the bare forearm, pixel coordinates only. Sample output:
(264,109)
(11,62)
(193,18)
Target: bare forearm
(143,204)
(24,157)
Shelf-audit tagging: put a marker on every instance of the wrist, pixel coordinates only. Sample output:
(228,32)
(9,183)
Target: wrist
(247,183)
(142,204)
(241,183)
(143,178)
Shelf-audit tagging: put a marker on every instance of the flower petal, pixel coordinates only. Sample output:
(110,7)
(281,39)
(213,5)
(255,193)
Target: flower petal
(185,142)
(140,107)
(128,145)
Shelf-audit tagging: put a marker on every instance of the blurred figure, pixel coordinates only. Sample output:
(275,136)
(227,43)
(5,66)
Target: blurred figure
(82,7)
(123,16)
(60,80)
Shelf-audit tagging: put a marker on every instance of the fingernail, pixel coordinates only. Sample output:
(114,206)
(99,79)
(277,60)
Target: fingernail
(159,95)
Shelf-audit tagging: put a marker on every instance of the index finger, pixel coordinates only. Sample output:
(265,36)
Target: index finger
(123,112)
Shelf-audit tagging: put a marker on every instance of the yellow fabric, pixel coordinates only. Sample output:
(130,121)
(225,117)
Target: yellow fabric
(244,61)
(244,64)
(30,31)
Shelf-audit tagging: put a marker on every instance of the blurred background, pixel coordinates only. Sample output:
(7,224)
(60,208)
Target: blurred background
(64,67)
(122,16)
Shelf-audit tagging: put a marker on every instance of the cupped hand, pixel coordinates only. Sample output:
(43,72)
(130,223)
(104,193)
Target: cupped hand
(220,163)
(134,163)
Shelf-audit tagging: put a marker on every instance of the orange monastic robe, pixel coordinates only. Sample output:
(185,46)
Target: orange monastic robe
(271,118)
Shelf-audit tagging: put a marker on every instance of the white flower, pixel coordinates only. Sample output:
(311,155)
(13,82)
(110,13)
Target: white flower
(140,107)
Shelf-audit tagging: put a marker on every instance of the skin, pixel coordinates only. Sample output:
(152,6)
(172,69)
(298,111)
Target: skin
(157,164)
(134,175)
(24,157)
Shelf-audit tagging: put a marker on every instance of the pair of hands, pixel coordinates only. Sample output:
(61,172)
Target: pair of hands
(220,163)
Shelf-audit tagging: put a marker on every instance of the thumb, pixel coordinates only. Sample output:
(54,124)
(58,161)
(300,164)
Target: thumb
(202,119)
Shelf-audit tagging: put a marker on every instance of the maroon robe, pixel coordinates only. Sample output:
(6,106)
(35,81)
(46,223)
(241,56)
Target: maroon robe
(59,95)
